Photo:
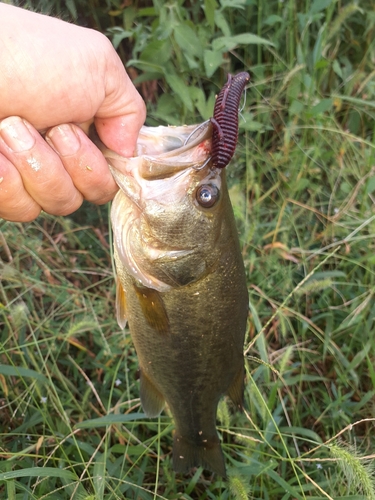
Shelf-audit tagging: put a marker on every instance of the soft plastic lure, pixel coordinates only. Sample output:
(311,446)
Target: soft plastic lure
(225,119)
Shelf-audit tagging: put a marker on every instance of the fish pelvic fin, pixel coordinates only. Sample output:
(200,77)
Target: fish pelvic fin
(153,308)
(152,399)
(187,454)
(120,304)
(236,389)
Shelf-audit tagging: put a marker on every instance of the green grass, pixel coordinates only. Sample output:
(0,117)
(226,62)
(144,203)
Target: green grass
(303,189)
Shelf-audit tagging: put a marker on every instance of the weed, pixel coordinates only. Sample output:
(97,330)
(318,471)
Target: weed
(302,183)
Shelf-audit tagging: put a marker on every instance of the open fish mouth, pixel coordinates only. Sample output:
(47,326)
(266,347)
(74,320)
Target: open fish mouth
(165,152)
(171,139)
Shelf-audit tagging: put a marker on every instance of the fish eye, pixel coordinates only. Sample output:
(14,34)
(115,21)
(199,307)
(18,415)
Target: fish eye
(207,195)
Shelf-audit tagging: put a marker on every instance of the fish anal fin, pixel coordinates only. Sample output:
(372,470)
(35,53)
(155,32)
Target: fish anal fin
(153,308)
(236,389)
(120,304)
(187,454)
(151,398)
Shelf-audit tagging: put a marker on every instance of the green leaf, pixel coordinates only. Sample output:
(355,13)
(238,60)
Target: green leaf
(210,7)
(146,66)
(301,431)
(16,371)
(148,76)
(284,484)
(233,4)
(158,51)
(72,8)
(99,475)
(273,19)
(187,40)
(179,87)
(226,43)
(110,420)
(199,99)
(370,187)
(221,23)
(359,357)
(147,12)
(253,126)
(38,472)
(322,106)
(192,62)
(319,5)
(117,35)
(203,105)
(296,108)
(212,60)
(354,100)
(167,110)
(337,68)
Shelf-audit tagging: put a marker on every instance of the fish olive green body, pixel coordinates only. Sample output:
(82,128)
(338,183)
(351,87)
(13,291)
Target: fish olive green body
(181,287)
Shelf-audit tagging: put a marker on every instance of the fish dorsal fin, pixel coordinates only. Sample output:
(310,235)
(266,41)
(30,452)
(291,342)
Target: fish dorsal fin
(151,398)
(236,390)
(153,309)
(120,305)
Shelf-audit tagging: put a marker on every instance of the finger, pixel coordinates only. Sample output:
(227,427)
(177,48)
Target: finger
(43,174)
(123,111)
(84,163)
(16,204)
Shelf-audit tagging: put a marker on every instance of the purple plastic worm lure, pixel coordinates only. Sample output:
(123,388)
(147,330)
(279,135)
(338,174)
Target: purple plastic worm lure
(225,120)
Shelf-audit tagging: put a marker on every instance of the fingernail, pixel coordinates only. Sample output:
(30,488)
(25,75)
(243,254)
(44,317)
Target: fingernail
(16,135)
(64,140)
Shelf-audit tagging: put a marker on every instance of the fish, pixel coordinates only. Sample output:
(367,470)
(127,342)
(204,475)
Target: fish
(181,284)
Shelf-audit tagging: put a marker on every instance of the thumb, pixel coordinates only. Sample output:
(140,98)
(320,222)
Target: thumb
(122,113)
(120,133)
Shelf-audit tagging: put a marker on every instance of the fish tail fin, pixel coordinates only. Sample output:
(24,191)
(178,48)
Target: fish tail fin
(187,454)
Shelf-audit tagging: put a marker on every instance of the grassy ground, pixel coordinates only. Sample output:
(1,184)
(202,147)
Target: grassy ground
(303,189)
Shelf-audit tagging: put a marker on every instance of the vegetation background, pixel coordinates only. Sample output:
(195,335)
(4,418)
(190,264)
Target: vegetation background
(303,188)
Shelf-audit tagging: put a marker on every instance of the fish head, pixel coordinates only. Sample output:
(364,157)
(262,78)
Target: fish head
(167,216)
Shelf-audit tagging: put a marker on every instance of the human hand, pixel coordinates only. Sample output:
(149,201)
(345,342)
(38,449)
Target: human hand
(55,76)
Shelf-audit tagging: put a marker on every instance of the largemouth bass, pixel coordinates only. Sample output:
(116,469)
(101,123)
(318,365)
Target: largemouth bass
(180,285)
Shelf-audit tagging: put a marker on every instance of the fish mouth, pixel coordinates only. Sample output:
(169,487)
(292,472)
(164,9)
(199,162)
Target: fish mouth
(161,151)
(165,141)
(166,151)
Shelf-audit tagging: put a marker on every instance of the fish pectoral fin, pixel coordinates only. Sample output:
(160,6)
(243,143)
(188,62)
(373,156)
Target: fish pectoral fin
(120,304)
(153,308)
(187,454)
(152,399)
(236,390)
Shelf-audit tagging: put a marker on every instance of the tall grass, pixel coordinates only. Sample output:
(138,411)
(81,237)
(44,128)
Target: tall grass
(303,187)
